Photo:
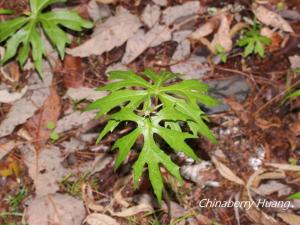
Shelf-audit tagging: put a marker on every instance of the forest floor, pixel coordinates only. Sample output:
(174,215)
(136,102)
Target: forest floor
(53,172)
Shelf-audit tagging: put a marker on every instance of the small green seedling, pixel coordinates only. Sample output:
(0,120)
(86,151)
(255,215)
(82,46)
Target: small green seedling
(253,42)
(15,201)
(54,136)
(6,12)
(157,108)
(24,33)
(220,51)
(294,94)
(295,196)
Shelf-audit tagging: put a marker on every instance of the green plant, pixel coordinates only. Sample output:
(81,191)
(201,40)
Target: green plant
(294,94)
(6,12)
(54,136)
(157,108)
(25,32)
(295,196)
(220,51)
(15,201)
(72,184)
(253,41)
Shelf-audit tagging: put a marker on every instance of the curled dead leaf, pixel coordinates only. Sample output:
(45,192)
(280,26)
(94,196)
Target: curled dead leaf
(226,172)
(144,205)
(265,124)
(88,199)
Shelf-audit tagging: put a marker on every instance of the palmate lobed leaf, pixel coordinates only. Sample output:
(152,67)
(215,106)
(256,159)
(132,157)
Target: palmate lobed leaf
(24,33)
(157,108)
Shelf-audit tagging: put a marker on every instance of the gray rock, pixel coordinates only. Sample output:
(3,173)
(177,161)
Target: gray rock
(235,86)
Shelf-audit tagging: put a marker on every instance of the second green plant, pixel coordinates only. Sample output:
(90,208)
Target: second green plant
(25,32)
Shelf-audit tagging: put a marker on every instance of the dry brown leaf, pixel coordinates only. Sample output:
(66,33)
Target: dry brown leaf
(112,33)
(289,218)
(275,38)
(205,29)
(117,191)
(294,61)
(8,97)
(226,172)
(161,2)
(270,18)
(49,112)
(295,128)
(151,15)
(44,168)
(55,209)
(171,14)
(98,11)
(6,148)
(265,124)
(74,75)
(141,41)
(106,1)
(74,119)
(287,167)
(223,37)
(263,174)
(38,92)
(81,93)
(100,219)
(87,196)
(255,214)
(143,206)
(195,67)
(183,50)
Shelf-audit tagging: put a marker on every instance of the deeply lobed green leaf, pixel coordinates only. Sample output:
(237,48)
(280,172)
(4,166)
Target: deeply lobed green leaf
(157,108)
